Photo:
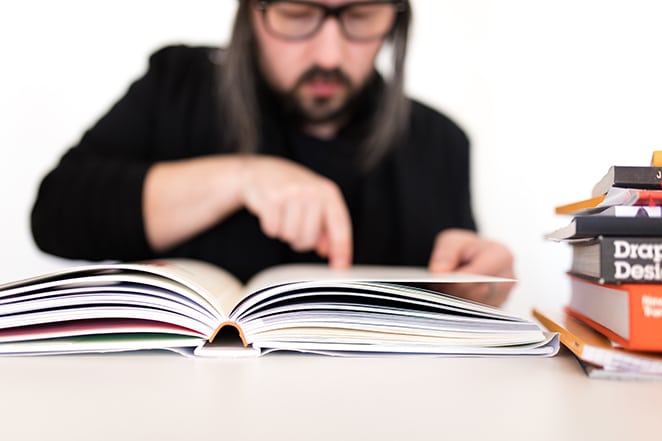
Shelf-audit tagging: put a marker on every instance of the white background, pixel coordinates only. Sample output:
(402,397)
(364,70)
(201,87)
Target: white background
(551,94)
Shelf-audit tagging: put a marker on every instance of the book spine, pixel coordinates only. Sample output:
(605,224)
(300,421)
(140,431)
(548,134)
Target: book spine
(645,322)
(629,177)
(570,340)
(631,260)
(638,177)
(646,318)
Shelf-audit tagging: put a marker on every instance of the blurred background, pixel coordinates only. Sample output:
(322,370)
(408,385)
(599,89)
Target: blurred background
(550,93)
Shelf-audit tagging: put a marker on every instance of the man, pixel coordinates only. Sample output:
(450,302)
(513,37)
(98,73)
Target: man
(286,147)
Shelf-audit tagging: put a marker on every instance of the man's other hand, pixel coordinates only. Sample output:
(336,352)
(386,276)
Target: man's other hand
(465,251)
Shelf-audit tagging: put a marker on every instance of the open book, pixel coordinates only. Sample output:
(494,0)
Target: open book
(194,307)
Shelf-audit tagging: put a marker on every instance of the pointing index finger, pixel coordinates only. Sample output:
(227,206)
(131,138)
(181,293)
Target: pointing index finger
(338,225)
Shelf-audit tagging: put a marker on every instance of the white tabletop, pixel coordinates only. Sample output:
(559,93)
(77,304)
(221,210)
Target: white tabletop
(296,397)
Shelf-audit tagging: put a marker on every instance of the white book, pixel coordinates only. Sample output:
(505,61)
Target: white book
(630,211)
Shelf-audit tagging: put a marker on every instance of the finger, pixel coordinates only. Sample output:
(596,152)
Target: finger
(338,227)
(309,231)
(270,216)
(291,225)
(322,246)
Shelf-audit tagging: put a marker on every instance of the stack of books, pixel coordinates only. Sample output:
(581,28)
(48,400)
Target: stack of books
(616,273)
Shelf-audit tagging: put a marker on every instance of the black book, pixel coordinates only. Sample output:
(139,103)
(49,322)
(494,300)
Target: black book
(642,177)
(619,259)
(583,227)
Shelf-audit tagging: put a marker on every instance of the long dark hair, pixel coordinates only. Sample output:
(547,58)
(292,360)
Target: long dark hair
(238,95)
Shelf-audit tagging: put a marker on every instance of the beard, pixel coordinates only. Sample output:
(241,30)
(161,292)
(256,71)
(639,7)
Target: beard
(318,109)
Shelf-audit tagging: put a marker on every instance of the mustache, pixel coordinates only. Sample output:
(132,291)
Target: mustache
(317,72)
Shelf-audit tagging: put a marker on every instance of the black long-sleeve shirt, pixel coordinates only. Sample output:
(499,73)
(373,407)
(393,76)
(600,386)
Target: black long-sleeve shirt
(90,206)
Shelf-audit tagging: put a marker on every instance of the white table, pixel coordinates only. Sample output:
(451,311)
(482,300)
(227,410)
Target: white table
(295,397)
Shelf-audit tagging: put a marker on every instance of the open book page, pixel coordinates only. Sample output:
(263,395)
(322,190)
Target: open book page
(370,309)
(217,286)
(190,278)
(171,298)
(298,283)
(107,295)
(281,274)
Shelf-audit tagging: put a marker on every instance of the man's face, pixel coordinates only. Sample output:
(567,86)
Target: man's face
(319,75)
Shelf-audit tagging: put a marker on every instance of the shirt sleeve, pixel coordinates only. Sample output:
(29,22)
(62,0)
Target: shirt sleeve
(90,205)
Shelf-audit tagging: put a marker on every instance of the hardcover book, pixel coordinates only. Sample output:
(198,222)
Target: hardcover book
(588,226)
(592,347)
(186,306)
(618,259)
(644,177)
(629,314)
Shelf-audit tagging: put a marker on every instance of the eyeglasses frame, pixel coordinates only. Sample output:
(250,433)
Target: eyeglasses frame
(331,11)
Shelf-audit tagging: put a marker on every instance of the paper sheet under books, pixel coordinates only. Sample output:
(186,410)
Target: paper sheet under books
(600,373)
(597,355)
(183,305)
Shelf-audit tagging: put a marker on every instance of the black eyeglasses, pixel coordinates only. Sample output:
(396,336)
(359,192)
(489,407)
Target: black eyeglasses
(359,21)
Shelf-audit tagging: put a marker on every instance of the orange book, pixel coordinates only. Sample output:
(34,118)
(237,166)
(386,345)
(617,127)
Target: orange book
(630,314)
(592,347)
(656,159)
(576,207)
(614,197)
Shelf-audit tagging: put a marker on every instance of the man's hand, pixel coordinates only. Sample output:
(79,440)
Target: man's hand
(182,198)
(298,206)
(465,251)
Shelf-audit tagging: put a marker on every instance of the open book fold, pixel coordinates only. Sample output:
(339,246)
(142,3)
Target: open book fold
(184,305)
